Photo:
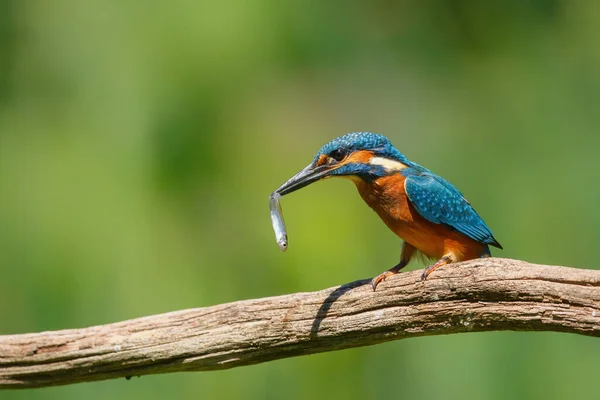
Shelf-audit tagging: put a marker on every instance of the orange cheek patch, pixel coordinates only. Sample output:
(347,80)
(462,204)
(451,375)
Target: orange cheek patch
(359,157)
(322,160)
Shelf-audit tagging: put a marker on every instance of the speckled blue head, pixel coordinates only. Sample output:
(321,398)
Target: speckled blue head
(351,142)
(364,155)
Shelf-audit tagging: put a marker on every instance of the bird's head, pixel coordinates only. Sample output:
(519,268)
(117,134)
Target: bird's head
(359,156)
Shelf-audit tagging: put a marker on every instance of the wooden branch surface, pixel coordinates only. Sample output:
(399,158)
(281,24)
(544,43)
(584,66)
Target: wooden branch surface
(480,295)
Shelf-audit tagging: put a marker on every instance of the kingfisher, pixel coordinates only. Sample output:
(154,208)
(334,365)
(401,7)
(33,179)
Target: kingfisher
(426,211)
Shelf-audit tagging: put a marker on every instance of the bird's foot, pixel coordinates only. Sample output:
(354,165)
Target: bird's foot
(381,277)
(425,273)
(392,271)
(442,261)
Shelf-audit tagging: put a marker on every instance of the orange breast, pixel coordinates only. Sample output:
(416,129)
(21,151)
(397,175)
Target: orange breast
(387,197)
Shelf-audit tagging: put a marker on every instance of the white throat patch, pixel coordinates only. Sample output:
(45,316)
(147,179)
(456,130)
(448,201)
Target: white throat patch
(387,164)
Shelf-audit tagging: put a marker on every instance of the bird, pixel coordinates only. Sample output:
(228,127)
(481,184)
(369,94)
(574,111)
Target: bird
(427,212)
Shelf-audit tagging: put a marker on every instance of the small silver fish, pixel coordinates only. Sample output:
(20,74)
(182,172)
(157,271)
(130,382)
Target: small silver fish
(277,221)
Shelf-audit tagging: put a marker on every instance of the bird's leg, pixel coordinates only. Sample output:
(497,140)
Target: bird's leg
(447,259)
(407,252)
(384,275)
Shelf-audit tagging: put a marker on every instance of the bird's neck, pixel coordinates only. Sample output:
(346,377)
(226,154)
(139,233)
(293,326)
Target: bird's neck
(384,195)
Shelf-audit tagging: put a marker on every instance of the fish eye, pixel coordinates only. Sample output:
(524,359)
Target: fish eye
(338,154)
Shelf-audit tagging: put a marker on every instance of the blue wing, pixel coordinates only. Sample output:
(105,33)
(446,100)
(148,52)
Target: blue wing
(441,203)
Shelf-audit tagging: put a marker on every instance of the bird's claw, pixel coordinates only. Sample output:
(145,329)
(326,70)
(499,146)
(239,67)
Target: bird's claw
(442,261)
(375,281)
(380,278)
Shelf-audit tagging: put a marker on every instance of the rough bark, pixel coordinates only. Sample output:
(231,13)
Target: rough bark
(480,295)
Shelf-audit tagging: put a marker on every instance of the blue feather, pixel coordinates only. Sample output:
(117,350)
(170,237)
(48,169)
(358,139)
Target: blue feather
(441,203)
(378,144)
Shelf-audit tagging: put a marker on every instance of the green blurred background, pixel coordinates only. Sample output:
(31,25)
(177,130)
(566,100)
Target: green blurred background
(139,142)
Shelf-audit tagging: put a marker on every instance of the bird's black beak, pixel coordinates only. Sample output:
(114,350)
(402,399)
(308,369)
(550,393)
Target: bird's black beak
(308,175)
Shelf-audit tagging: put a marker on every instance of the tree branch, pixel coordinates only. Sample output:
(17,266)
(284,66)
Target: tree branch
(480,295)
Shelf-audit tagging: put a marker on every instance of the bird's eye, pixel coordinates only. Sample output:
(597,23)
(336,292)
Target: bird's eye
(337,154)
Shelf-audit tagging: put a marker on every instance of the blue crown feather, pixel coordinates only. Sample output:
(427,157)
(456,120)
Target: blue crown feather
(378,144)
